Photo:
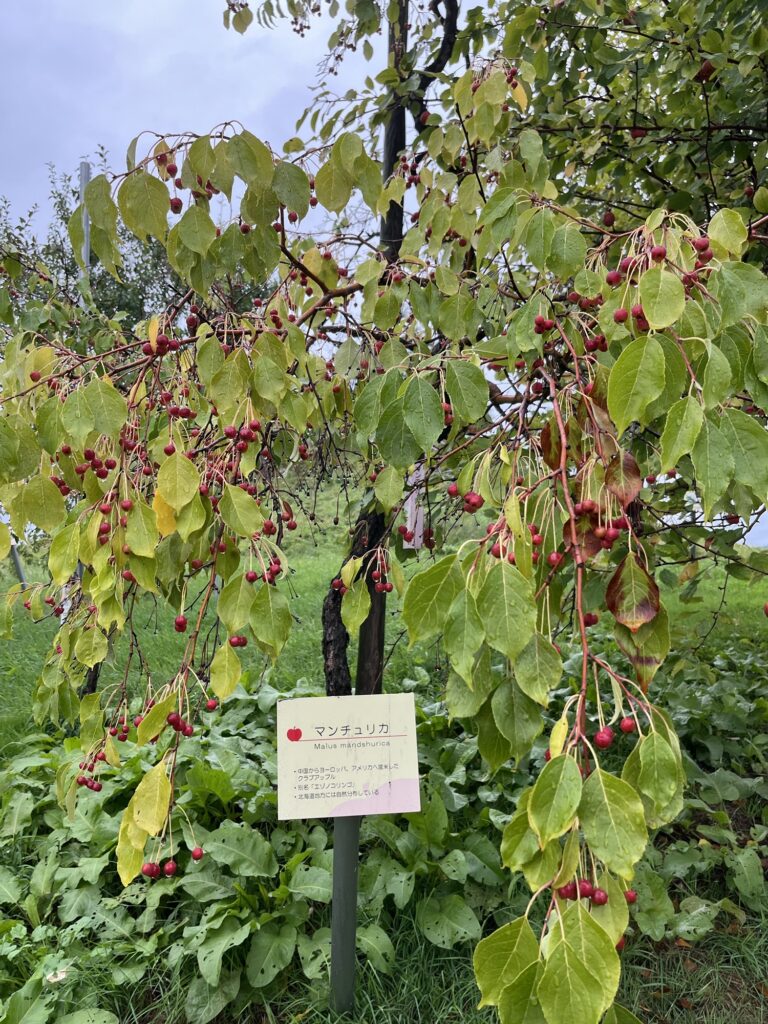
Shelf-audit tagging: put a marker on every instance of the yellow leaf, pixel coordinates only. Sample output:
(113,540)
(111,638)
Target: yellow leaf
(112,753)
(152,332)
(558,735)
(166,518)
(152,800)
(521,96)
(5,540)
(131,841)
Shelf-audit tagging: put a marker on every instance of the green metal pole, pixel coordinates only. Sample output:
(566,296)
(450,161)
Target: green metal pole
(346,857)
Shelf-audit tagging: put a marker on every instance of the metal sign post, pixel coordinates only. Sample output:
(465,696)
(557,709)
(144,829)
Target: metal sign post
(346,860)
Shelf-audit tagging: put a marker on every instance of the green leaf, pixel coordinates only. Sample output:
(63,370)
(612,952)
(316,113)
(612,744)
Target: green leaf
(144,204)
(311,883)
(377,946)
(333,184)
(659,770)
(388,487)
(613,916)
(463,635)
(636,378)
(618,1015)
(152,800)
(225,671)
(728,230)
(578,929)
(271,619)
(501,957)
(423,412)
(241,19)
(240,511)
(447,920)
(23,1009)
(10,890)
(242,849)
(210,953)
(429,597)
(153,723)
(235,602)
(517,717)
(177,481)
(681,429)
(567,251)
(467,389)
(654,909)
(41,503)
(632,595)
(271,951)
(611,815)
(355,605)
(91,647)
(394,437)
(662,296)
(518,1003)
(714,464)
(538,669)
(62,556)
(291,186)
(204,1003)
(717,378)
(555,799)
(88,1017)
(507,608)
(107,407)
(250,159)
(141,534)
(538,237)
(519,844)
(748,442)
(197,230)
(568,991)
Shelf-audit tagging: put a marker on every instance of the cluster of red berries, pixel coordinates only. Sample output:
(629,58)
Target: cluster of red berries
(152,869)
(621,315)
(120,730)
(542,324)
(178,724)
(379,575)
(473,501)
(163,344)
(604,737)
(101,467)
(597,343)
(585,302)
(238,640)
(88,779)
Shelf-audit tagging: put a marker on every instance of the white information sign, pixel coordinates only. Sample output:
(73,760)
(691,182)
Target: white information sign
(347,756)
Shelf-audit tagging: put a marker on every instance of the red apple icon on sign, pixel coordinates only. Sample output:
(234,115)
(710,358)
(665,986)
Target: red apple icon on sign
(294,735)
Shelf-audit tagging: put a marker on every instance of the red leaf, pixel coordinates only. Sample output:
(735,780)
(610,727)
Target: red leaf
(622,478)
(632,596)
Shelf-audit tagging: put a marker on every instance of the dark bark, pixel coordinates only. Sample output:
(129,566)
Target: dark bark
(394,138)
(443,55)
(338,681)
(91,680)
(370,649)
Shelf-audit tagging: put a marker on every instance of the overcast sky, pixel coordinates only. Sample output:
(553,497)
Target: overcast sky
(80,73)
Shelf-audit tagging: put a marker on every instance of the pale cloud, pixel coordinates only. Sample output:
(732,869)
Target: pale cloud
(90,72)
